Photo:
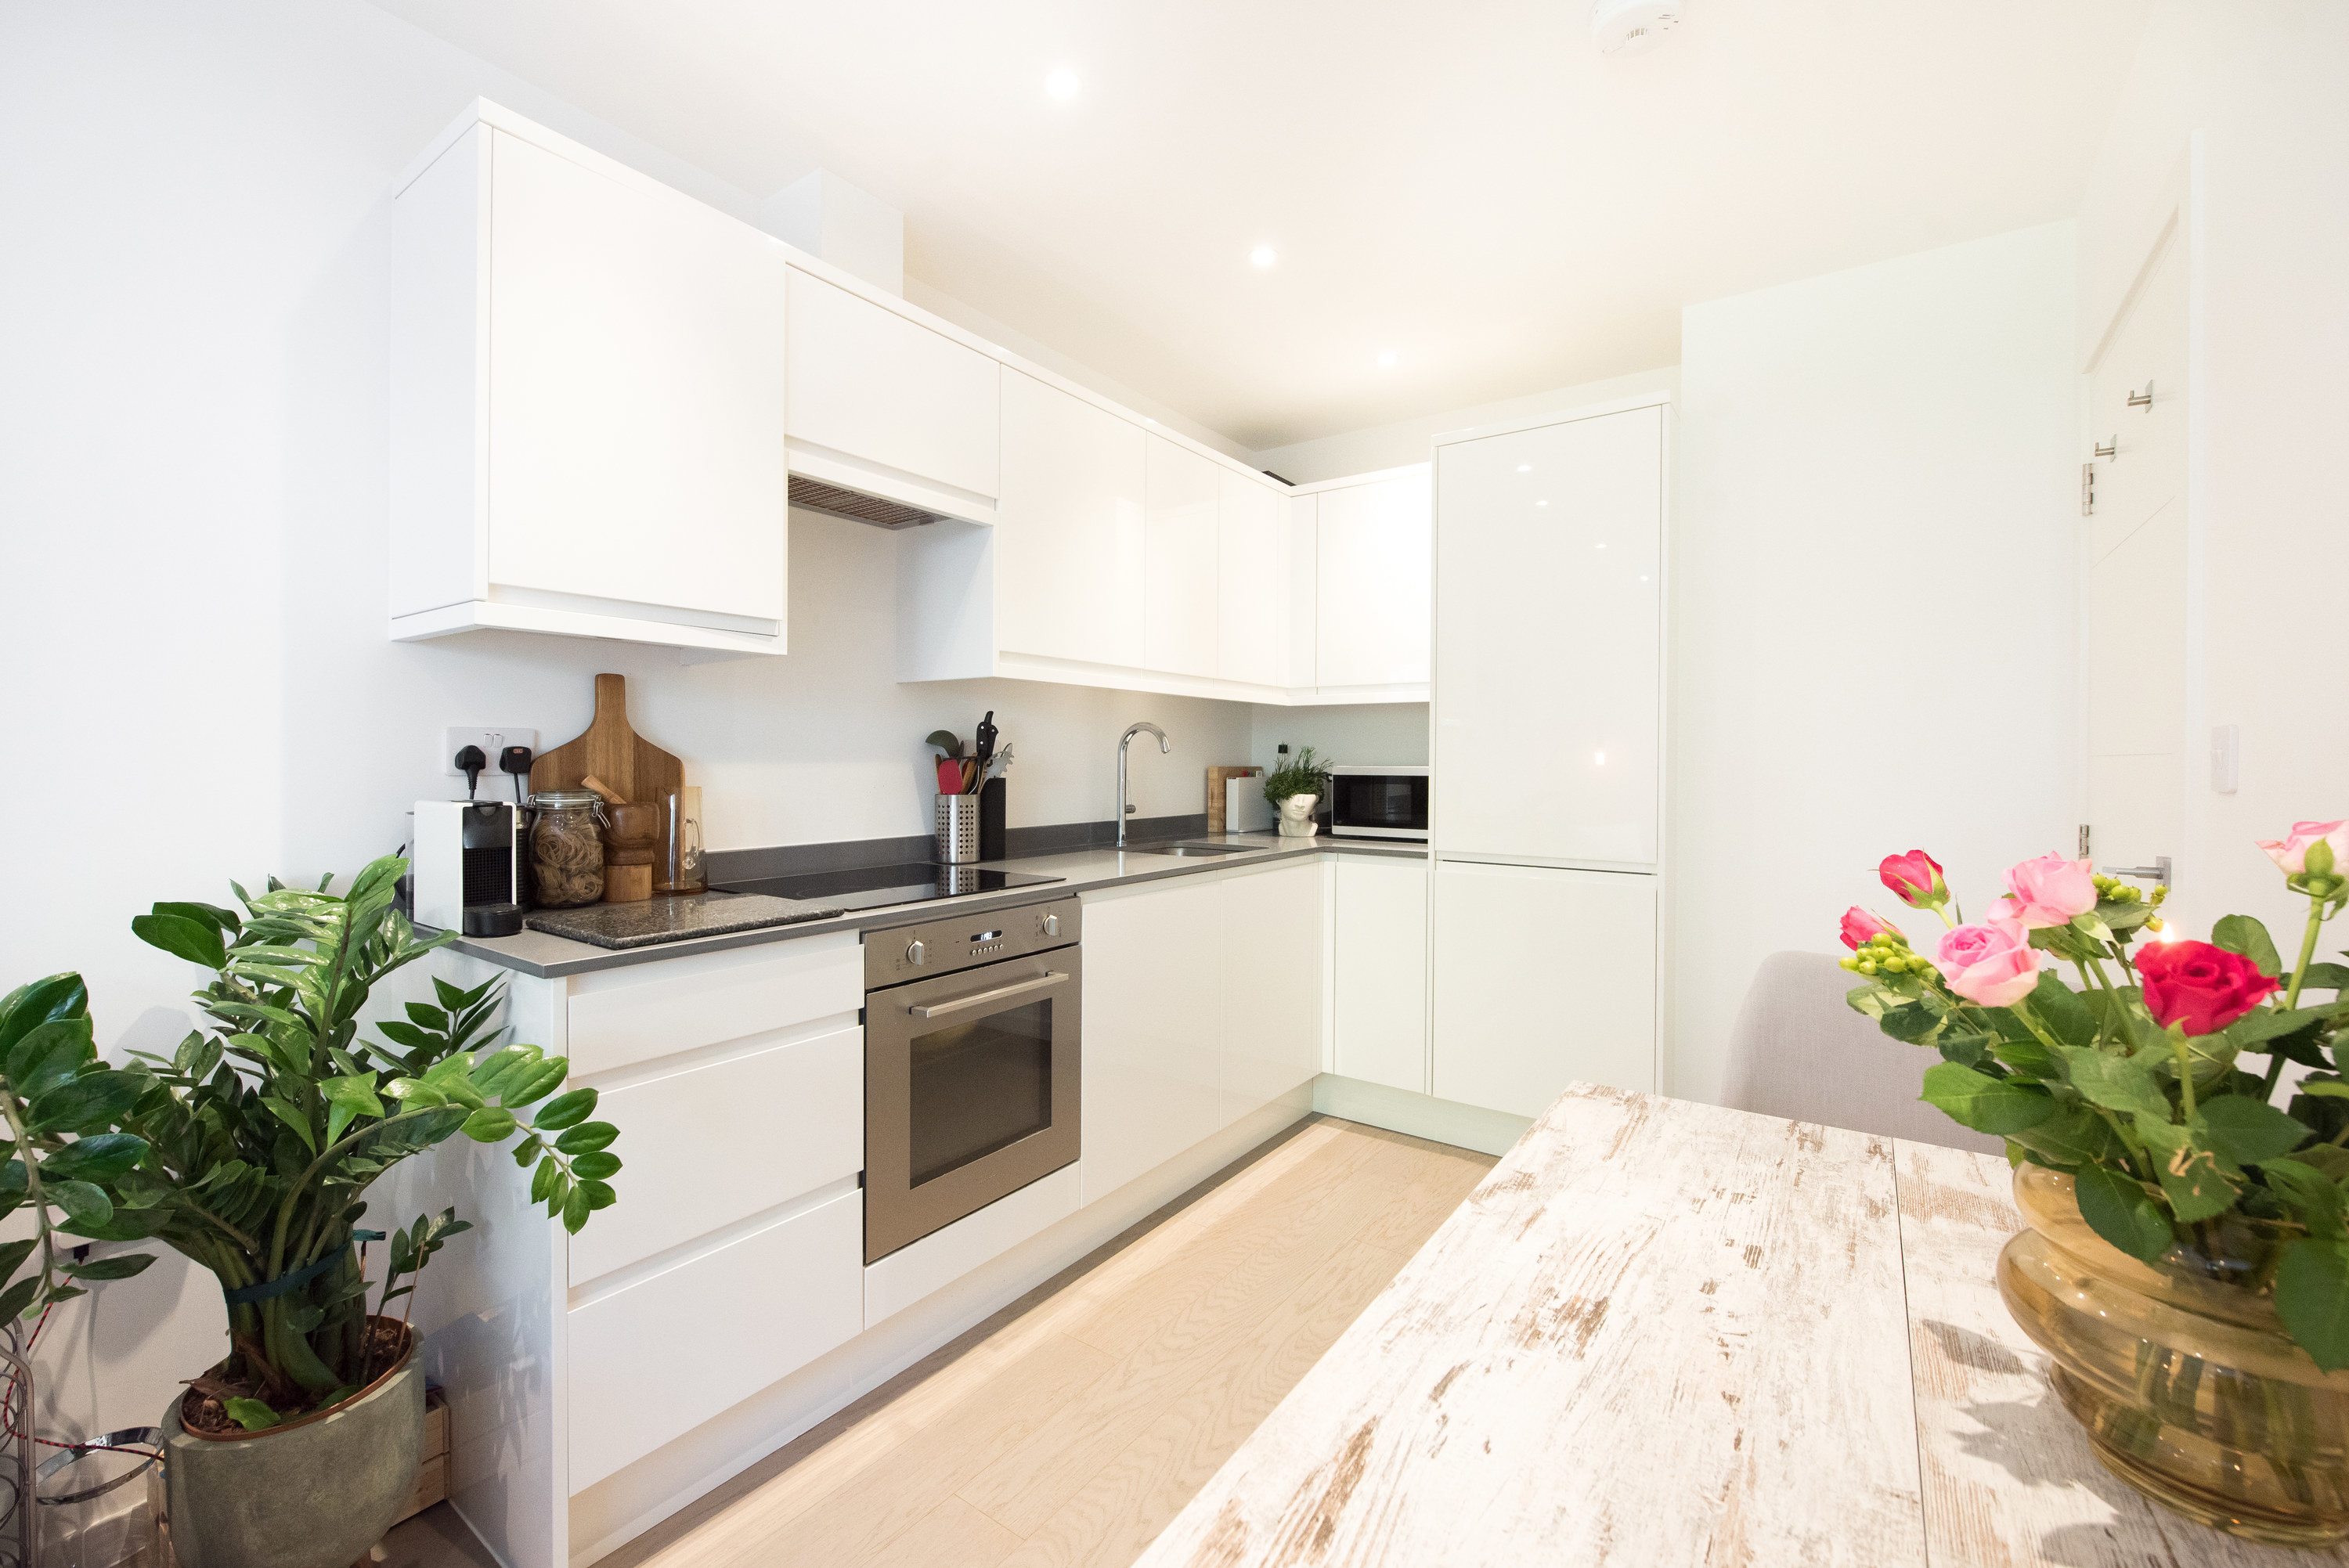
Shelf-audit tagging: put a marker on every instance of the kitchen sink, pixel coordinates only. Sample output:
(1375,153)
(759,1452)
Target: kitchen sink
(1192,848)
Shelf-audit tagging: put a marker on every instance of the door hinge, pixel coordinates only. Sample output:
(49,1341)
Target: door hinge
(2083,840)
(2088,489)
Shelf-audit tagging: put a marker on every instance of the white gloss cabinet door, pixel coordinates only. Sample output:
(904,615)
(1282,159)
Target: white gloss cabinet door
(889,393)
(1382,971)
(636,387)
(1550,621)
(1272,923)
(1372,604)
(1543,977)
(1181,494)
(1153,1012)
(1068,536)
(1251,582)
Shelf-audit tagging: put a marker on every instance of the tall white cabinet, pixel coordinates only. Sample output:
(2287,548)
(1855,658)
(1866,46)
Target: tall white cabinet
(1550,564)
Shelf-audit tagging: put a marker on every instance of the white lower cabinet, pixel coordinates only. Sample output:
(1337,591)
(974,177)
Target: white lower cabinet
(1382,971)
(1203,1004)
(700,1143)
(657,1355)
(1272,986)
(1152,1017)
(1543,977)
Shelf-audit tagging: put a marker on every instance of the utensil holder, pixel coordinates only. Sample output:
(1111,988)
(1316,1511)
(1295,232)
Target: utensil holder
(957,829)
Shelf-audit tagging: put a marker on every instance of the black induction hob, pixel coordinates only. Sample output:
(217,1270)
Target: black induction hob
(872,887)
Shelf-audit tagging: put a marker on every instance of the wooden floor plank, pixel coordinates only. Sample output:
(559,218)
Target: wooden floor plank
(1089,1410)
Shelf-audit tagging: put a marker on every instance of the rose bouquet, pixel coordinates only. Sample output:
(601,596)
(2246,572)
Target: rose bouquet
(2143,1081)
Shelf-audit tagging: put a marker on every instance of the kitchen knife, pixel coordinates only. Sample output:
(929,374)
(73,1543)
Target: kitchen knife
(986,734)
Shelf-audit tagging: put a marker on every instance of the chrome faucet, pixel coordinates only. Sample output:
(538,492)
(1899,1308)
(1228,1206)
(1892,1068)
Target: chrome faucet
(1123,810)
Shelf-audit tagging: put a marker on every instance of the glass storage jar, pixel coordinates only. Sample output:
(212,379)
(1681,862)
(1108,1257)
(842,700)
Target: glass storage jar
(566,847)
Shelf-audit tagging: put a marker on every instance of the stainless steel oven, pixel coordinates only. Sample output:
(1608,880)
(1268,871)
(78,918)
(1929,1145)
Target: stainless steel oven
(971,1028)
(1371,801)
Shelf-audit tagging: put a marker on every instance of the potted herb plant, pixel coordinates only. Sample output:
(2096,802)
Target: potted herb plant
(250,1149)
(1295,788)
(2186,1264)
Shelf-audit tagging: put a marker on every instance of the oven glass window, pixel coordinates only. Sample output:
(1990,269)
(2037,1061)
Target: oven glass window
(979,1087)
(1380,800)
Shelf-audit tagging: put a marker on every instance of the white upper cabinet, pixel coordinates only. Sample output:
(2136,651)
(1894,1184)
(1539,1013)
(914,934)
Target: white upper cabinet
(587,405)
(882,403)
(1069,558)
(1182,494)
(1370,599)
(1549,637)
(1251,582)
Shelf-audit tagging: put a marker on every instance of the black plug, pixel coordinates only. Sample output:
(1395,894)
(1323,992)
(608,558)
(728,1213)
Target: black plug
(516,760)
(471,761)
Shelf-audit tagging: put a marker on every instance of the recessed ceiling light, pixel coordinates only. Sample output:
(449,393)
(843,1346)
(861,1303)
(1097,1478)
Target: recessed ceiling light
(1524,467)
(1061,84)
(1541,503)
(1386,359)
(1632,27)
(1263,256)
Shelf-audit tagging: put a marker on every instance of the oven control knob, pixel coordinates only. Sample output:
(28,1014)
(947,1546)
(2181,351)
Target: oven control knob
(916,953)
(1051,926)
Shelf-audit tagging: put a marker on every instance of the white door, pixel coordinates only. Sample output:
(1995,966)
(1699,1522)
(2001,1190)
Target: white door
(1152,1025)
(1181,494)
(1251,582)
(636,393)
(1543,978)
(1372,607)
(888,396)
(1548,627)
(1382,980)
(1272,986)
(1069,560)
(2134,600)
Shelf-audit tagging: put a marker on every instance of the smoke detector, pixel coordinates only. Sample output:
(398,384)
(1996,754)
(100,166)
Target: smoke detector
(1632,27)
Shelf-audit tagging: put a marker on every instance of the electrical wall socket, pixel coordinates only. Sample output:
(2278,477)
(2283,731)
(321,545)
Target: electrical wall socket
(491,741)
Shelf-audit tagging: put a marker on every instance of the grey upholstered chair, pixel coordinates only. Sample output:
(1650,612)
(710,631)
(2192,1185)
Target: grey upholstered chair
(1799,1052)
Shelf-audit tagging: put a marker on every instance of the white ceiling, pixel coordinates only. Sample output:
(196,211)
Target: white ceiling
(1469,184)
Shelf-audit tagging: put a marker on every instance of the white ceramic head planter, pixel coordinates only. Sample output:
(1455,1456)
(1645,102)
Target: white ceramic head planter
(1297,817)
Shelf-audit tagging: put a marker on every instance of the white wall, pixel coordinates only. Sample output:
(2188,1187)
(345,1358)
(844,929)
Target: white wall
(1413,441)
(193,451)
(1873,601)
(2248,98)
(1372,732)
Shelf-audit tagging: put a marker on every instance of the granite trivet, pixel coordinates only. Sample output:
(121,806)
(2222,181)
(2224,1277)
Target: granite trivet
(657,920)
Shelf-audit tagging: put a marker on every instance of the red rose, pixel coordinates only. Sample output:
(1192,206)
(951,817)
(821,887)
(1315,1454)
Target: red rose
(2202,987)
(1916,877)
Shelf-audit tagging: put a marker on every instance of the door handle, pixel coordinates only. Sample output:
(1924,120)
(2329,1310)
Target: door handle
(2158,871)
(980,998)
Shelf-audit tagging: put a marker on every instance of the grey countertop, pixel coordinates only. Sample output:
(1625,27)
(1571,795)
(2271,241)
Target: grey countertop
(1081,871)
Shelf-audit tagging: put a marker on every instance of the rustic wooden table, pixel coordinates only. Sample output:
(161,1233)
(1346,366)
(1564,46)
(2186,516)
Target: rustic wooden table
(1666,1332)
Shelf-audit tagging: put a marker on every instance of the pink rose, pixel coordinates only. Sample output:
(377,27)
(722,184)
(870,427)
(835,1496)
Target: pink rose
(1916,877)
(1858,925)
(2048,891)
(1993,964)
(2292,853)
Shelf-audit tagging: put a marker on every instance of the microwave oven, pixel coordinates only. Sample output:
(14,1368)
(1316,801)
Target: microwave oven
(1378,802)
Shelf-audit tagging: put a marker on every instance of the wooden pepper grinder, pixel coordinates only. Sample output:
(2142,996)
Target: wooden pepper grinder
(630,844)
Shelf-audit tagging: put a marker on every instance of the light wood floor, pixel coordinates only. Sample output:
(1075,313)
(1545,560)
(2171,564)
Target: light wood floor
(1071,1427)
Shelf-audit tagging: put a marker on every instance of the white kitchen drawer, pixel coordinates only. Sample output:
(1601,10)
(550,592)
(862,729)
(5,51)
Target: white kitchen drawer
(945,1256)
(876,399)
(657,1357)
(715,1142)
(621,1016)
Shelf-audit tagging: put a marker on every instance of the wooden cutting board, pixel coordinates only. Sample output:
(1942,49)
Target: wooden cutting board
(615,754)
(1217,778)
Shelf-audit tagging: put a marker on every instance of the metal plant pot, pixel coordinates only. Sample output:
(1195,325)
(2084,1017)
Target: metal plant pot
(313,1493)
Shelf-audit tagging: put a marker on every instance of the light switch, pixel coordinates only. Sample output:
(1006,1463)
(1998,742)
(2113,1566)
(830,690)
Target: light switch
(2226,756)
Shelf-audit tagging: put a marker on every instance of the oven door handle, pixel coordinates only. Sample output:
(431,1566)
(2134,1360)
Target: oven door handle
(960,1004)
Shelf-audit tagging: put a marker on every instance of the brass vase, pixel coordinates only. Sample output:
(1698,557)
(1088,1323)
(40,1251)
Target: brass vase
(2183,1376)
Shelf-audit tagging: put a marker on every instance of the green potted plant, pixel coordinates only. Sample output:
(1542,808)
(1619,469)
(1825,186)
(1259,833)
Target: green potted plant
(1295,788)
(250,1149)
(2186,1264)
